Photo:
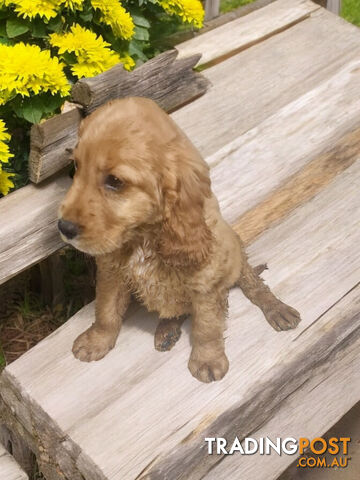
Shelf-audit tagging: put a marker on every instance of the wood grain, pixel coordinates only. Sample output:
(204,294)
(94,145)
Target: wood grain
(50,143)
(299,188)
(168,81)
(9,469)
(245,32)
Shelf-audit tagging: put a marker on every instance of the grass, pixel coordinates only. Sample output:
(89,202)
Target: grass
(351,11)
(350,8)
(228,5)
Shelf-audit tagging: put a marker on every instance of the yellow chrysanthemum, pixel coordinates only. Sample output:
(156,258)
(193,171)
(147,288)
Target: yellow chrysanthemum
(26,70)
(32,8)
(127,62)
(5,183)
(73,4)
(190,11)
(92,53)
(43,8)
(4,148)
(115,15)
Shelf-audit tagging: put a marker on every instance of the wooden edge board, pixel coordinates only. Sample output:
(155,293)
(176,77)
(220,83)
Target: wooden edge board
(235,36)
(30,231)
(169,81)
(9,469)
(51,143)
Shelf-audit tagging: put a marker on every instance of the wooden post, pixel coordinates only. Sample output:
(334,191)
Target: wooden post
(334,6)
(212,9)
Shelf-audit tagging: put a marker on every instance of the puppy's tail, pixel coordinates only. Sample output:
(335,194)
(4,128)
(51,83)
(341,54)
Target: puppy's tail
(260,268)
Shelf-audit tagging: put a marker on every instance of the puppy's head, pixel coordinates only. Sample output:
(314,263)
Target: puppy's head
(137,174)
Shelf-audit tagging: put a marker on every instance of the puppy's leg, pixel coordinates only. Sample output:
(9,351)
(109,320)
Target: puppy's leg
(208,361)
(112,300)
(168,332)
(278,314)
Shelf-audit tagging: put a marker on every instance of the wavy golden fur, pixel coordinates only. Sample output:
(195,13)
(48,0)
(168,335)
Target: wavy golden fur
(141,203)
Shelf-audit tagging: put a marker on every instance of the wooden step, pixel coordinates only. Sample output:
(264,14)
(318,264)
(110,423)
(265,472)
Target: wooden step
(9,469)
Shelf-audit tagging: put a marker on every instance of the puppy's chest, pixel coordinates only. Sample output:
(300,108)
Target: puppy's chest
(157,286)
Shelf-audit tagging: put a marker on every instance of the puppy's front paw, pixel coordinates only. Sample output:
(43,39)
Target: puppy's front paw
(93,344)
(208,370)
(282,316)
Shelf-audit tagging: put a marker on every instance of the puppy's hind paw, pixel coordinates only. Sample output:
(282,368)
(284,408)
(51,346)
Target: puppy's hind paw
(168,333)
(282,316)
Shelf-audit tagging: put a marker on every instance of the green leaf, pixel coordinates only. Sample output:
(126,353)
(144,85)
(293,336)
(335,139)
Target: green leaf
(15,27)
(140,20)
(55,24)
(33,109)
(141,34)
(135,49)
(86,16)
(38,28)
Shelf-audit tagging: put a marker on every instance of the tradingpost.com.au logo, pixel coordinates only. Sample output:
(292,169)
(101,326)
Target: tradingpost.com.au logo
(311,451)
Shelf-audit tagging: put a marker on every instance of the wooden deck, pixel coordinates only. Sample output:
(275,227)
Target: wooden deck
(280,128)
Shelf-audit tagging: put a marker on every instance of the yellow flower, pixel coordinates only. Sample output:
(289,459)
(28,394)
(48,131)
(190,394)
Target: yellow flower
(4,148)
(43,8)
(73,4)
(127,62)
(26,70)
(115,15)
(190,11)
(5,183)
(31,8)
(92,52)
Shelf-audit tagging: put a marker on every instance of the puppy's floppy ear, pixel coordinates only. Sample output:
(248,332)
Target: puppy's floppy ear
(185,239)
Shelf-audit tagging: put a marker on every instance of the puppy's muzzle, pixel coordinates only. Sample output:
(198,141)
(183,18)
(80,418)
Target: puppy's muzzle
(69,229)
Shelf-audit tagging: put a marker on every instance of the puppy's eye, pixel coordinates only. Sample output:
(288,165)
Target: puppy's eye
(113,183)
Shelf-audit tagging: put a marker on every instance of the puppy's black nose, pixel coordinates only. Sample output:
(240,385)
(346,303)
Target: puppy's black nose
(68,229)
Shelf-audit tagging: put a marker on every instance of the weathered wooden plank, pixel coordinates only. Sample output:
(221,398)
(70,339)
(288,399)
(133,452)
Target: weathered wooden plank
(50,143)
(299,188)
(244,32)
(28,230)
(9,469)
(180,37)
(334,6)
(312,263)
(251,86)
(168,81)
(212,9)
(283,143)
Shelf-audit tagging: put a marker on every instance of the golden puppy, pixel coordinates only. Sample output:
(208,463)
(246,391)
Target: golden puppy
(141,203)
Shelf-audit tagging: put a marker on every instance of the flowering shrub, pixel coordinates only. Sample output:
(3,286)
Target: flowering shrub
(46,45)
